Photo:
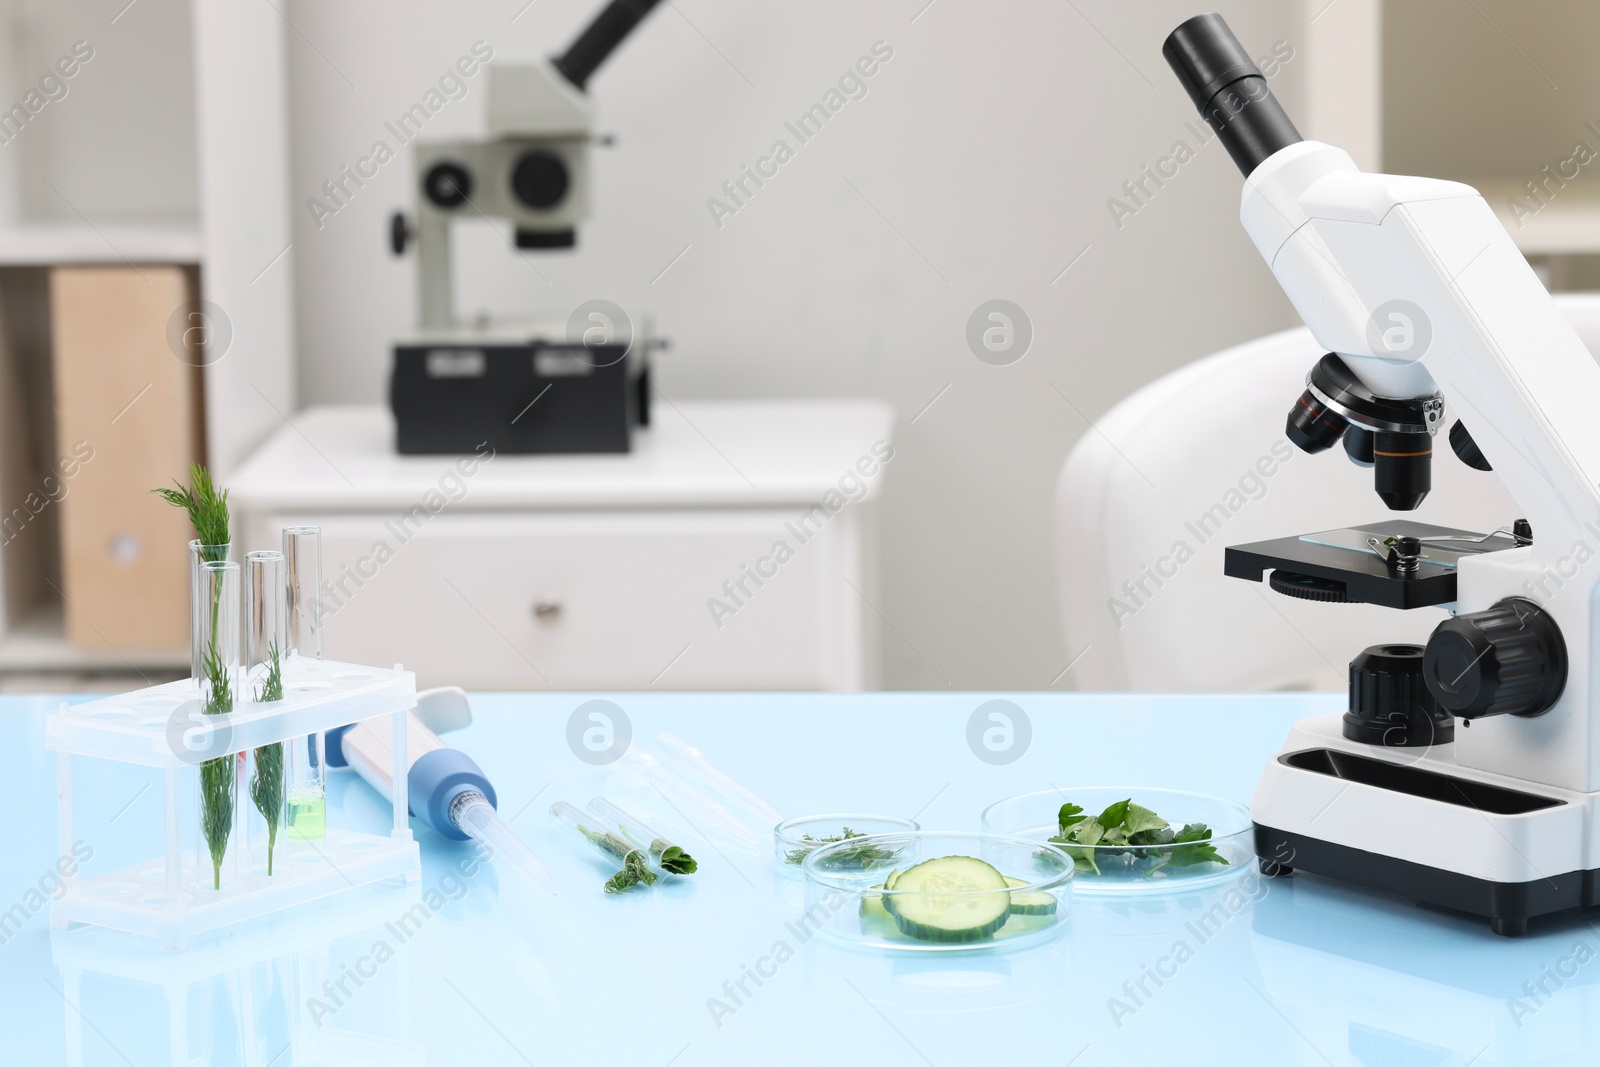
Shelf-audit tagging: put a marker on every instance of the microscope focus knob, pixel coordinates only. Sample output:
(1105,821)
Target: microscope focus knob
(1389,701)
(1507,660)
(447,184)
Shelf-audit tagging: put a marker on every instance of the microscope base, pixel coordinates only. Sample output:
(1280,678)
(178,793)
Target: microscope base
(1507,905)
(1413,823)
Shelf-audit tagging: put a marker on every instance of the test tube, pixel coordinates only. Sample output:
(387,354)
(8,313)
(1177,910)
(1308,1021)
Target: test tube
(302,554)
(667,856)
(266,622)
(214,645)
(635,863)
(691,765)
(214,635)
(198,554)
(641,774)
(264,625)
(307,790)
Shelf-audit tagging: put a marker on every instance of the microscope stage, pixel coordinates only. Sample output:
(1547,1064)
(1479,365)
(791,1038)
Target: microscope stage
(1342,556)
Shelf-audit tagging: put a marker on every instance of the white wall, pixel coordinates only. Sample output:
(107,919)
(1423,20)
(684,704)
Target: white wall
(978,166)
(119,146)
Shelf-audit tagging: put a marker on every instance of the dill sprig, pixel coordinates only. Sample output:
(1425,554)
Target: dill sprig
(266,786)
(208,514)
(635,868)
(266,789)
(219,687)
(207,508)
(216,810)
(272,685)
(610,842)
(634,872)
(217,775)
(864,857)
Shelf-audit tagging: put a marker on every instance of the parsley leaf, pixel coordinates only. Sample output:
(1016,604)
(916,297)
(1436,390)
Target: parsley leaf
(1129,835)
(1112,817)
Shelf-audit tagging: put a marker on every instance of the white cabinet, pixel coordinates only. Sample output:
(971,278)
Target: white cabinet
(723,553)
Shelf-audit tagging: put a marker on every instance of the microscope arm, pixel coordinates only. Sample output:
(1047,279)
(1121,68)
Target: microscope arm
(1349,248)
(1354,250)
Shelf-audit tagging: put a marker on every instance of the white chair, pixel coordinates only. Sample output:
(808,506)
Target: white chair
(1196,461)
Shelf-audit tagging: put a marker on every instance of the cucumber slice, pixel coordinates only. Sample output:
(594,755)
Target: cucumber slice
(1030,903)
(875,918)
(888,883)
(872,905)
(951,899)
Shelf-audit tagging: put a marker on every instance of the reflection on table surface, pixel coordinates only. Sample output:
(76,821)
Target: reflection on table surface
(474,970)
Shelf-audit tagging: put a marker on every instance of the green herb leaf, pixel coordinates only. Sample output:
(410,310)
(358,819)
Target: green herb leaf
(1137,833)
(208,514)
(272,685)
(635,871)
(216,810)
(1197,850)
(1140,820)
(610,842)
(208,509)
(674,860)
(266,790)
(1112,817)
(852,859)
(1162,836)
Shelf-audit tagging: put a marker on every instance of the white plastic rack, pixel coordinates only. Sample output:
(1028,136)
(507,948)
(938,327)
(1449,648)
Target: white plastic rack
(171,896)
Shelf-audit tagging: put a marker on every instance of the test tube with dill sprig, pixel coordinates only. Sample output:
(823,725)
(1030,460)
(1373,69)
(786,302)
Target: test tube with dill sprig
(667,856)
(216,632)
(265,623)
(635,861)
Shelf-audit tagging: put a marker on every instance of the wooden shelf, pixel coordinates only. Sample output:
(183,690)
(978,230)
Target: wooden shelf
(47,244)
(38,644)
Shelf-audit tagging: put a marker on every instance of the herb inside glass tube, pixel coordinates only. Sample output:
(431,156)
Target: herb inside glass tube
(265,611)
(215,644)
(217,591)
(635,863)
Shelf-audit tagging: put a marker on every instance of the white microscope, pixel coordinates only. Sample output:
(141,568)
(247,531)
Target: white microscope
(578,385)
(1428,311)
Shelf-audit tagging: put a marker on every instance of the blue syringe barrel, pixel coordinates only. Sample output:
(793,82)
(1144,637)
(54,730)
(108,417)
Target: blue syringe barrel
(437,775)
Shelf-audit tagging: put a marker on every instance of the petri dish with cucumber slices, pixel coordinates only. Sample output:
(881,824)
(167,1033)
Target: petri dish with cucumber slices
(1133,839)
(936,891)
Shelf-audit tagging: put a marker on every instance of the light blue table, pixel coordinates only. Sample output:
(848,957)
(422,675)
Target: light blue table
(1306,972)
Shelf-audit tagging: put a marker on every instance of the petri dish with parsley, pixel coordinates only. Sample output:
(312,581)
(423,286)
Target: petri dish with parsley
(1133,838)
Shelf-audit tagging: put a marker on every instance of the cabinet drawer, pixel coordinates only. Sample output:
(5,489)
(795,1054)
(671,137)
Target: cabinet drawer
(593,601)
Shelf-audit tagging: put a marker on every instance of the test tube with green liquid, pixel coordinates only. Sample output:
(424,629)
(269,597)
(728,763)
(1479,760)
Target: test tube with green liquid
(306,799)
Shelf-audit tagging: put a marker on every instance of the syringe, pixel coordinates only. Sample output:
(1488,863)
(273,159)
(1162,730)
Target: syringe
(448,791)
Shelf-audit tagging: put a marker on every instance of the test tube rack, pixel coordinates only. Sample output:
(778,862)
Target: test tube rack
(171,896)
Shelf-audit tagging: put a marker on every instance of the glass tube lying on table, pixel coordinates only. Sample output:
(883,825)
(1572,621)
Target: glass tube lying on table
(668,856)
(635,860)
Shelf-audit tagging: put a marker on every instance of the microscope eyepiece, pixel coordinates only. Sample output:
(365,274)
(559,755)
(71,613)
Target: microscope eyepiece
(600,38)
(1229,90)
